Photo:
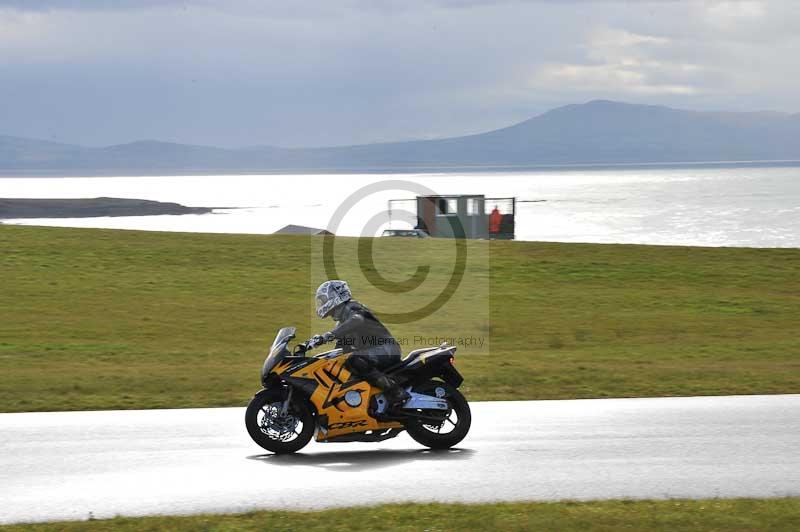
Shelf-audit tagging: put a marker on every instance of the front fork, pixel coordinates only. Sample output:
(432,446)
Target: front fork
(285,404)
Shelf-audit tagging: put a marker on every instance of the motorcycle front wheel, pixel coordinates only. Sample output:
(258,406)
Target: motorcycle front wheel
(279,432)
(454,426)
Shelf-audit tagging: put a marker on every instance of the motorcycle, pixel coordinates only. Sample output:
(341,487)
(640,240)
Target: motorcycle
(317,396)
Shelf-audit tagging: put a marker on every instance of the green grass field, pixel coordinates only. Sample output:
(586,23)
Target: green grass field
(98,319)
(602,516)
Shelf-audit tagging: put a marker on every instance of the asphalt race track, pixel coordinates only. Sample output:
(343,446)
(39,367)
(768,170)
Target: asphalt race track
(79,464)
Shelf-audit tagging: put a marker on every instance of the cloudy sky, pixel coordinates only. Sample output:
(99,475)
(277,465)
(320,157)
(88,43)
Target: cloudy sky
(310,73)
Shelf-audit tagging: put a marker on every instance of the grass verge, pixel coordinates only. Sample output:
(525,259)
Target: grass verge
(669,515)
(100,319)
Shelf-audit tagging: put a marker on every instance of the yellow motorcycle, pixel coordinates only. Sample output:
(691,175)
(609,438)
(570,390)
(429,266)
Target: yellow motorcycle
(306,396)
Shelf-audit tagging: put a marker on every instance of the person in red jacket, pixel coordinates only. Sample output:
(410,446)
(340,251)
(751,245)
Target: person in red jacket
(495,219)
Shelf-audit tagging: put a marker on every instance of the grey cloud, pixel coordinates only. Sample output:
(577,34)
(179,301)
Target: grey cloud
(316,73)
(88,5)
(252,7)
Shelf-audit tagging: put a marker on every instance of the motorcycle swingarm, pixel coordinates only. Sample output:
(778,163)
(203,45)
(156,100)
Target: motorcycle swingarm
(425,402)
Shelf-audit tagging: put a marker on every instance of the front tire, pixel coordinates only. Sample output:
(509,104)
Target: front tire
(456,424)
(278,433)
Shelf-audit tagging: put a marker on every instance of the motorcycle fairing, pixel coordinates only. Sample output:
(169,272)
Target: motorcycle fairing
(335,417)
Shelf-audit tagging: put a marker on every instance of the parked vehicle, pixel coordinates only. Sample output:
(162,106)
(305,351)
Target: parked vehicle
(413,233)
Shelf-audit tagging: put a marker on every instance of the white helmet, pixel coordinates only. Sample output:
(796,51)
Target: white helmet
(330,295)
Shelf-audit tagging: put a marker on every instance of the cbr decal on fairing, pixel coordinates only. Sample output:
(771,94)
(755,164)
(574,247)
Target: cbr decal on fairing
(347,425)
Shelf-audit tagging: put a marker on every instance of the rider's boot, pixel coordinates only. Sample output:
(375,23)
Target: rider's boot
(394,393)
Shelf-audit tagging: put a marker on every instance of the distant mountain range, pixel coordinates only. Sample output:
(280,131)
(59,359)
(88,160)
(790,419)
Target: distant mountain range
(596,133)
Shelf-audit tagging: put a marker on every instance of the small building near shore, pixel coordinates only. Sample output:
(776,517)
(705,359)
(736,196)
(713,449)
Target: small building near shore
(462,216)
(301,230)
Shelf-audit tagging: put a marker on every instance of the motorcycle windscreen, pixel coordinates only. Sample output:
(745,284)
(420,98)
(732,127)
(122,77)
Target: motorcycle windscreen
(276,351)
(283,337)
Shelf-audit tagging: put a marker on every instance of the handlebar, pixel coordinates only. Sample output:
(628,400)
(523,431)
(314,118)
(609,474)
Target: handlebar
(312,343)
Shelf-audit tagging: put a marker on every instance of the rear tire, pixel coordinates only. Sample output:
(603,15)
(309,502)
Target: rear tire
(428,435)
(280,435)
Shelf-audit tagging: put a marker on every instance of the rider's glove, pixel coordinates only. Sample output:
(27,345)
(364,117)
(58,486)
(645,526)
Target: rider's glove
(319,339)
(316,340)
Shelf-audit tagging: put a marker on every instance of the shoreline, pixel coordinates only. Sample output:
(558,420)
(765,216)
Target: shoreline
(350,237)
(369,170)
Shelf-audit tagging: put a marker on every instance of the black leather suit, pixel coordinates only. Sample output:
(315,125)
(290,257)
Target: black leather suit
(372,346)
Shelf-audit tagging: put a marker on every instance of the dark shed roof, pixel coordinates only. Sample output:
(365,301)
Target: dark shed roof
(301,230)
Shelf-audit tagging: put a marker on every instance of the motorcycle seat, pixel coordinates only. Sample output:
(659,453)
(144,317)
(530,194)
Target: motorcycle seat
(409,358)
(416,353)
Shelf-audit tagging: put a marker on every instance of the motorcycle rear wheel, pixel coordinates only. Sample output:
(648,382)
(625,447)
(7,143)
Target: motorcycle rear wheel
(276,433)
(432,435)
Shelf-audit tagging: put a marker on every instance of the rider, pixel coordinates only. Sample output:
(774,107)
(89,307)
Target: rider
(359,332)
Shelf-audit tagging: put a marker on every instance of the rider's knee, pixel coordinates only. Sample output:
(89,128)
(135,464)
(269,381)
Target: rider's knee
(359,363)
